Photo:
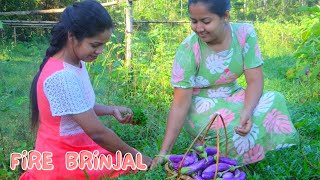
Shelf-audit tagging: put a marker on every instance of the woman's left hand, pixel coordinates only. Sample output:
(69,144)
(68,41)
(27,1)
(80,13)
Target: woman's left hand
(123,114)
(245,124)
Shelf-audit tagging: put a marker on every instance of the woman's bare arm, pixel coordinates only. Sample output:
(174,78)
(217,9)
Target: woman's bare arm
(177,114)
(254,79)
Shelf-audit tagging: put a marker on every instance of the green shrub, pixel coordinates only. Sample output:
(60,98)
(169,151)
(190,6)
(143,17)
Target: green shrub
(308,51)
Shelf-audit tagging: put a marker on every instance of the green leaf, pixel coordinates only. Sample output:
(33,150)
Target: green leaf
(301,124)
(139,117)
(1,25)
(316,29)
(305,35)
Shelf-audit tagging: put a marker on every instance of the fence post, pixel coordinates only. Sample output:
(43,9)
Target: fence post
(129,31)
(15,35)
(1,29)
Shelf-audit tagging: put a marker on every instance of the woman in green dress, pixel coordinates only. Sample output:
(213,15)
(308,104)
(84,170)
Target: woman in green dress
(204,76)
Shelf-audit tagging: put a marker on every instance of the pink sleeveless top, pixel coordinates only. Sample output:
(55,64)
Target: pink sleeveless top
(62,90)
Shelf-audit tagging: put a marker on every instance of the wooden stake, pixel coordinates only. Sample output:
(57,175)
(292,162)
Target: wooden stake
(15,35)
(129,31)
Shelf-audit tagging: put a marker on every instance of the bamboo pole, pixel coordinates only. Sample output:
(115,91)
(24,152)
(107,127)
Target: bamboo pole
(129,31)
(17,23)
(51,23)
(48,27)
(29,22)
(181,8)
(159,21)
(29,25)
(49,11)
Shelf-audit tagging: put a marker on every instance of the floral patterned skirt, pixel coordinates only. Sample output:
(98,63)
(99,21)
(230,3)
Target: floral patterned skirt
(272,127)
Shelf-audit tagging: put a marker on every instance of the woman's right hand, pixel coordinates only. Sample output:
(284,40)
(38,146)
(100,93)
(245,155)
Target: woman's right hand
(123,114)
(245,124)
(156,161)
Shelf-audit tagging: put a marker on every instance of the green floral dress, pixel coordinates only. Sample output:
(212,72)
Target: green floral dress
(213,77)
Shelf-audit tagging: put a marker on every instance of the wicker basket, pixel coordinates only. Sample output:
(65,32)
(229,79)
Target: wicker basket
(170,172)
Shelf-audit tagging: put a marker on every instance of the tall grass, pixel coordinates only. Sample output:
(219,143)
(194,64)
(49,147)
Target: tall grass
(146,85)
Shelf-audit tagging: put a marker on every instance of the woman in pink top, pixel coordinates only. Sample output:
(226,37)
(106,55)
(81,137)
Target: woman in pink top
(64,110)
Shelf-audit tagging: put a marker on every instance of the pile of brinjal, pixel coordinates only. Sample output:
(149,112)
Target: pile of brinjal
(200,164)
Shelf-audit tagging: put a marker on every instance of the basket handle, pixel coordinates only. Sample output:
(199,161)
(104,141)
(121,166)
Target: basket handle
(207,126)
(225,131)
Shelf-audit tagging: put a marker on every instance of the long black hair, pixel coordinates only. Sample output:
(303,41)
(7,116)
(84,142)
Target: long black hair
(218,7)
(83,19)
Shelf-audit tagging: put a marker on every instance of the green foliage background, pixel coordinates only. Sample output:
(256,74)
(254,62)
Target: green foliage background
(288,32)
